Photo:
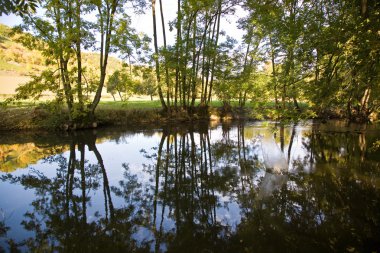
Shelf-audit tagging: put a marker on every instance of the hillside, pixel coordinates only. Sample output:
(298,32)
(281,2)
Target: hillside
(17,62)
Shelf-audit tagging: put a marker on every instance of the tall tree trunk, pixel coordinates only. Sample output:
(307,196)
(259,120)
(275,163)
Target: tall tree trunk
(364,102)
(67,86)
(274,74)
(216,48)
(79,56)
(107,190)
(246,73)
(167,80)
(63,66)
(121,97)
(178,51)
(194,68)
(208,62)
(105,45)
(184,67)
(364,7)
(163,104)
(204,43)
(291,142)
(81,148)
(158,167)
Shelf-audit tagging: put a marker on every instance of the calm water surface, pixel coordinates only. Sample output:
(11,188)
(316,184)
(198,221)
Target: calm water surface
(254,187)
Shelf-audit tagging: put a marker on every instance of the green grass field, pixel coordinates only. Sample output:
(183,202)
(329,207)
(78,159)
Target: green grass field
(148,104)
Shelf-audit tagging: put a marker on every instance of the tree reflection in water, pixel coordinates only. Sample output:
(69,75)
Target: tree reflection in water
(59,218)
(237,192)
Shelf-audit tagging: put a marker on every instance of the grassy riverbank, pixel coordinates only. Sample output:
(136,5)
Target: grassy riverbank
(30,116)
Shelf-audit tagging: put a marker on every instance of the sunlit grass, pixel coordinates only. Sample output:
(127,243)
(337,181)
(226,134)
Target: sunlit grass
(144,104)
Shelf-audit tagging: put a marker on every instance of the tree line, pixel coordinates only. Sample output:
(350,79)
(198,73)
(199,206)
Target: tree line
(322,52)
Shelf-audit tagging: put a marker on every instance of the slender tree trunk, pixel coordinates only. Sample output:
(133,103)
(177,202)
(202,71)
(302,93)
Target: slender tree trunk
(246,73)
(104,52)
(158,166)
(184,67)
(178,51)
(282,137)
(107,189)
(207,64)
(163,104)
(364,7)
(204,44)
(67,87)
(81,148)
(194,68)
(364,102)
(121,97)
(274,74)
(78,40)
(63,66)
(291,141)
(216,48)
(167,80)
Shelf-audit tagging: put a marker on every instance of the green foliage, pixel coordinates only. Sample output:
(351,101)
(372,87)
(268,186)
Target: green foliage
(50,115)
(47,81)
(322,53)
(20,7)
(120,82)
(60,34)
(375,146)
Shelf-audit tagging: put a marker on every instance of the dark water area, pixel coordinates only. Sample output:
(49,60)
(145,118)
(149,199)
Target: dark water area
(253,187)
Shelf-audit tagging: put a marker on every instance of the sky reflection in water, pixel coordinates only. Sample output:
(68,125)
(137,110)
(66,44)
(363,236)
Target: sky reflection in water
(230,188)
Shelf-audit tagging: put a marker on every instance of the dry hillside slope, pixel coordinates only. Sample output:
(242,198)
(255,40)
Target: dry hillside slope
(17,62)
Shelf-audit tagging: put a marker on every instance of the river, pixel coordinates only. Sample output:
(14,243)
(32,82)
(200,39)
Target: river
(236,187)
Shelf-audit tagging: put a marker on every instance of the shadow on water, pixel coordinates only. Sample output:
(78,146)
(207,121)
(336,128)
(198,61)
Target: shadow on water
(235,188)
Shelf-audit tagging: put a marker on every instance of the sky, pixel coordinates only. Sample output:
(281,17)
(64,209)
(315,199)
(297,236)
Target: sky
(144,23)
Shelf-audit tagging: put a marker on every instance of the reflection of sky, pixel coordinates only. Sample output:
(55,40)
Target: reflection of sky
(15,201)
(115,154)
(262,142)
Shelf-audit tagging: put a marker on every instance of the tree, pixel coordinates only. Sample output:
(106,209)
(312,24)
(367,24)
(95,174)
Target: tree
(63,32)
(156,55)
(120,82)
(20,7)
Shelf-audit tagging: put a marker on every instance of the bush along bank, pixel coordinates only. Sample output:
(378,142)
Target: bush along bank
(45,117)
(51,118)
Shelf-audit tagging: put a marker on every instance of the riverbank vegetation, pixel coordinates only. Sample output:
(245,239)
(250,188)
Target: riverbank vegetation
(321,53)
(49,116)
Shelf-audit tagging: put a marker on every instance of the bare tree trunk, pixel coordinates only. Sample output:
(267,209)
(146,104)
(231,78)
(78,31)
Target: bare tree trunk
(184,67)
(79,56)
(81,148)
(178,47)
(156,56)
(167,80)
(216,48)
(207,65)
(64,67)
(121,97)
(194,68)
(107,190)
(364,102)
(104,52)
(274,74)
(204,43)
(158,166)
(364,7)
